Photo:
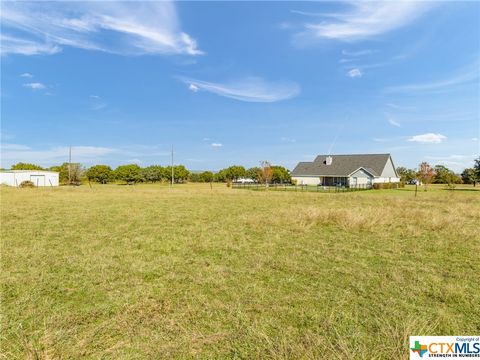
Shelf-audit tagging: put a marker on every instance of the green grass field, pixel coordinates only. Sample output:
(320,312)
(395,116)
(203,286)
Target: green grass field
(147,272)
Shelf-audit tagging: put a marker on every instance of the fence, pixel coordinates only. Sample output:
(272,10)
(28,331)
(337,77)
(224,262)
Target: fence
(301,188)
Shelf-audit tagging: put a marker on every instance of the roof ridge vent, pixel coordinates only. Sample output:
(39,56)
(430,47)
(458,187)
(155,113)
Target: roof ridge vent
(328,160)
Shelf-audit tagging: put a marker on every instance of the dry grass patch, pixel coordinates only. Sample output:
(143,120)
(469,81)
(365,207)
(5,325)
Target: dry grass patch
(147,272)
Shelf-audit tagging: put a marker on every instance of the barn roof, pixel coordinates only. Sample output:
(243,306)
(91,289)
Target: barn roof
(342,165)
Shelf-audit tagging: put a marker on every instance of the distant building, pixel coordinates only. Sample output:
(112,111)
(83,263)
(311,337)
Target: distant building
(38,177)
(346,170)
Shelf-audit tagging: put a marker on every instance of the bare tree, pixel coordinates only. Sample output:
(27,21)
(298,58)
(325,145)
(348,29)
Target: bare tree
(426,173)
(265,173)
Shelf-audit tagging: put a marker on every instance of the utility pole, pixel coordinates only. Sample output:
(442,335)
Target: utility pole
(69,166)
(173,173)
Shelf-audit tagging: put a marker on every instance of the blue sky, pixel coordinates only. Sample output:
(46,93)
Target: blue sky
(239,82)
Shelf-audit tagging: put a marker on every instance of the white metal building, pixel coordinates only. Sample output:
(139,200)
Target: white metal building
(38,177)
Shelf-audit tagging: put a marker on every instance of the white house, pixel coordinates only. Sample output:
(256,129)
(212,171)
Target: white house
(346,170)
(38,177)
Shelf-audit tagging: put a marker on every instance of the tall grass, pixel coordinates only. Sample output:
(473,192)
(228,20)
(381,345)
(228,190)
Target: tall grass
(147,272)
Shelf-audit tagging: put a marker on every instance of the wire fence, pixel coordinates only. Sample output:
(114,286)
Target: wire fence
(301,188)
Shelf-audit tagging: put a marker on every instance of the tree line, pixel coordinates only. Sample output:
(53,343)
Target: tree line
(440,174)
(75,173)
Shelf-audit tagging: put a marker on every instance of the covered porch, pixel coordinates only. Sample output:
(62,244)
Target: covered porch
(334,181)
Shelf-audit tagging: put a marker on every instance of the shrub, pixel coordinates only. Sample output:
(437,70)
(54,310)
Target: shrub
(27,184)
(26,166)
(378,186)
(131,173)
(99,173)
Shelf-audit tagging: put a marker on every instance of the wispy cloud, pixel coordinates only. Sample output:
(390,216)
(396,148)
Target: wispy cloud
(287,139)
(216,145)
(429,138)
(252,89)
(13,153)
(456,162)
(16,45)
(26,75)
(358,52)
(132,28)
(400,107)
(393,122)
(308,13)
(366,20)
(35,86)
(468,75)
(353,73)
(96,102)
(193,87)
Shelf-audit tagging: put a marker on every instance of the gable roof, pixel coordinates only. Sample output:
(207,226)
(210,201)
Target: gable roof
(342,165)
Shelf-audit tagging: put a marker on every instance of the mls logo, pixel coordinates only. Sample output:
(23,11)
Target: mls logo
(419,348)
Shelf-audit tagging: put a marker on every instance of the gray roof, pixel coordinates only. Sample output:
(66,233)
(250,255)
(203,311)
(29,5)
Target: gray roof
(342,165)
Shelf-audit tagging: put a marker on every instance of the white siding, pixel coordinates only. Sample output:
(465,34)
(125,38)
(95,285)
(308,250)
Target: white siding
(360,177)
(39,178)
(386,180)
(307,180)
(388,170)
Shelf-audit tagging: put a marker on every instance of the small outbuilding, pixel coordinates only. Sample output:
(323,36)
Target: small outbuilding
(356,170)
(37,177)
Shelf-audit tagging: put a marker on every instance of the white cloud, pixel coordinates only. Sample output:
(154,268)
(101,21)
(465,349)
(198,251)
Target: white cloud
(35,86)
(13,153)
(15,45)
(97,102)
(287,140)
(455,162)
(359,52)
(251,89)
(26,75)
(474,139)
(217,145)
(134,161)
(392,122)
(366,20)
(400,107)
(469,74)
(429,138)
(132,28)
(353,73)
(193,87)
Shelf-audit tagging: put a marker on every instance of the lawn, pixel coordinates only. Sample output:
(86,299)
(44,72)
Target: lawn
(136,272)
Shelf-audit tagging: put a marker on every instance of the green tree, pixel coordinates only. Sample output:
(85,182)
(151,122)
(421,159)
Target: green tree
(194,177)
(442,174)
(26,166)
(180,175)
(206,176)
(253,173)
(69,173)
(469,176)
(153,173)
(221,176)
(406,175)
(476,167)
(231,173)
(99,173)
(131,173)
(280,175)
